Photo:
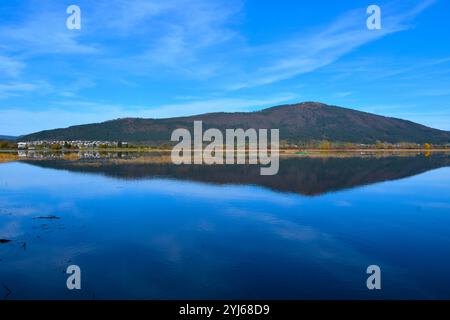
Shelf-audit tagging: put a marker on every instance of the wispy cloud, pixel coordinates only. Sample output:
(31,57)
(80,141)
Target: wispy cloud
(131,50)
(43,31)
(14,89)
(72,89)
(306,53)
(187,37)
(11,67)
(343,94)
(190,42)
(218,105)
(182,37)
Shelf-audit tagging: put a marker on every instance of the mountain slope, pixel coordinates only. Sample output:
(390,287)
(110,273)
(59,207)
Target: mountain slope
(8,138)
(299,122)
(307,176)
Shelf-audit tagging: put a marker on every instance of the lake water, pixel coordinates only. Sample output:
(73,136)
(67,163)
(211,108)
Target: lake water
(158,231)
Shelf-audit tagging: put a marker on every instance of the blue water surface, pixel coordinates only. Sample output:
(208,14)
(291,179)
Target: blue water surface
(166,238)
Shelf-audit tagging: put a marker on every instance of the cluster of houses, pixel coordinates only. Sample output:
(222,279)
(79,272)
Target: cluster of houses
(73,144)
(85,154)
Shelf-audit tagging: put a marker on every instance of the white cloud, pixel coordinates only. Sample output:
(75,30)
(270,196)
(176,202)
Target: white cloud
(137,40)
(343,94)
(43,32)
(73,88)
(306,53)
(187,37)
(181,37)
(11,67)
(128,16)
(14,89)
(217,105)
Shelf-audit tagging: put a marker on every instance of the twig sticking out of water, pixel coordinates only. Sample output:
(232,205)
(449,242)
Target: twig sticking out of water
(47,218)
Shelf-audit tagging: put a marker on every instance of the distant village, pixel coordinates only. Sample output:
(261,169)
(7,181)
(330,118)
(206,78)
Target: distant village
(310,145)
(75,144)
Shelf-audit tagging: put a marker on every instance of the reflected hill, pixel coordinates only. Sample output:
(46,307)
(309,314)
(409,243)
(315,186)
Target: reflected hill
(306,176)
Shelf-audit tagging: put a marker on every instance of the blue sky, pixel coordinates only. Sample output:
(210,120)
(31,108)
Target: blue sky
(155,59)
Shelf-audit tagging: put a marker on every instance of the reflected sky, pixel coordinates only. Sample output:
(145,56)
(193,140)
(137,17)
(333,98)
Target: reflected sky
(164,238)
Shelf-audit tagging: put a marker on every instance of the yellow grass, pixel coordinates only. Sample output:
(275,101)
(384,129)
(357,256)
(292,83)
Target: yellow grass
(8,157)
(71,156)
(164,156)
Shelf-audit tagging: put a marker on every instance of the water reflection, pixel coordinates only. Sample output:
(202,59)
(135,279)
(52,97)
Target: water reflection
(307,176)
(156,231)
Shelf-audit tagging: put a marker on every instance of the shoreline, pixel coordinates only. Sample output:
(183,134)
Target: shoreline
(281,150)
(163,155)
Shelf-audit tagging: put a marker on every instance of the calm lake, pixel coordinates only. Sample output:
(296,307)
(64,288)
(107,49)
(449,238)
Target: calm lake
(149,230)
